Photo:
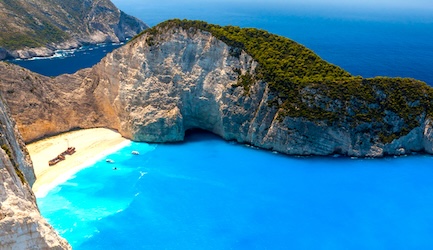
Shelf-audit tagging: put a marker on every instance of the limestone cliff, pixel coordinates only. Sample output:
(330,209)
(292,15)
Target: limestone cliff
(180,79)
(45,106)
(37,28)
(176,78)
(22,226)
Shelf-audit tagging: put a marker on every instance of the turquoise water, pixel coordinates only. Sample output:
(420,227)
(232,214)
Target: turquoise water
(210,194)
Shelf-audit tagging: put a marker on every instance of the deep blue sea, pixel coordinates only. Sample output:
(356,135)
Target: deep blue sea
(68,61)
(206,193)
(378,41)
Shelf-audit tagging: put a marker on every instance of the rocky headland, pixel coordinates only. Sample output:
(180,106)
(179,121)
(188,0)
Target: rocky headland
(181,75)
(244,85)
(39,28)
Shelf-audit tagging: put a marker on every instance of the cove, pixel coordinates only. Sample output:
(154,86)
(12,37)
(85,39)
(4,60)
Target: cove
(207,193)
(68,61)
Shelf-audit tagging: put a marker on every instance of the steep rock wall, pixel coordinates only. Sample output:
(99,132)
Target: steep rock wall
(155,90)
(158,86)
(183,79)
(186,81)
(22,226)
(45,106)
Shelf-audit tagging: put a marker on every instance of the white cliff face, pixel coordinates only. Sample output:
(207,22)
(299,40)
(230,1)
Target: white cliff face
(155,90)
(21,225)
(187,79)
(427,139)
(184,82)
(160,85)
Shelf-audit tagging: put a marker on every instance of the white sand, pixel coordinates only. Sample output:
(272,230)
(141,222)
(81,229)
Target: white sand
(90,144)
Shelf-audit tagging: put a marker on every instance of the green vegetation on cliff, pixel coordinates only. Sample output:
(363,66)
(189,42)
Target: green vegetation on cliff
(304,85)
(43,35)
(31,24)
(20,174)
(30,31)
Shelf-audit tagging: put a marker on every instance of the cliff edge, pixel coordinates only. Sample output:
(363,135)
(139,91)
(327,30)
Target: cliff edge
(22,226)
(38,28)
(242,84)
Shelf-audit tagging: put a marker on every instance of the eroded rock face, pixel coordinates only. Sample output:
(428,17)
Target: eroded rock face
(21,225)
(155,89)
(46,106)
(59,24)
(188,79)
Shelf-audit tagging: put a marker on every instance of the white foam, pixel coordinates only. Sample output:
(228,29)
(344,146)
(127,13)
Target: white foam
(43,190)
(64,53)
(57,54)
(142,174)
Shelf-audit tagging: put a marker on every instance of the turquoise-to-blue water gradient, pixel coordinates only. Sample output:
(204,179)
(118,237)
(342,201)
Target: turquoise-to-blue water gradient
(206,193)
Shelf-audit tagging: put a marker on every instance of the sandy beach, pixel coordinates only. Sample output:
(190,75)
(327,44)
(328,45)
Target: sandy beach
(90,145)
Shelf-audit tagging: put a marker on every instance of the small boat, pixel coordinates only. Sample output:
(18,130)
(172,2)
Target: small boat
(135,152)
(109,160)
(53,161)
(70,151)
(61,157)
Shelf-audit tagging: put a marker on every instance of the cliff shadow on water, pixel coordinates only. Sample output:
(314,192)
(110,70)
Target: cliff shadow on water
(199,135)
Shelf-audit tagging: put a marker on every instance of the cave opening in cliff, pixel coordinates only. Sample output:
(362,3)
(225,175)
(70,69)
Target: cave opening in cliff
(198,134)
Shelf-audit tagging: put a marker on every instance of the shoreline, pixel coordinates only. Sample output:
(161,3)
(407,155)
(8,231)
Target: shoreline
(63,53)
(91,145)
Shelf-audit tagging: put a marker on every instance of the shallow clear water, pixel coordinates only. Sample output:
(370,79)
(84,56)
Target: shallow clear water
(210,194)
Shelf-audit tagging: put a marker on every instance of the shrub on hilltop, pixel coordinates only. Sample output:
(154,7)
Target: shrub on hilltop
(304,85)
